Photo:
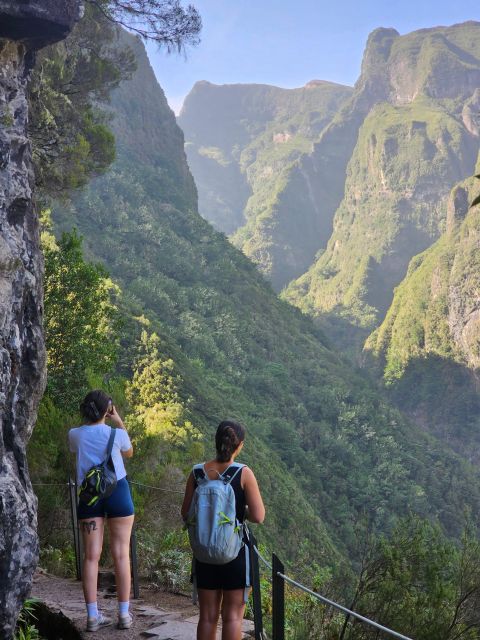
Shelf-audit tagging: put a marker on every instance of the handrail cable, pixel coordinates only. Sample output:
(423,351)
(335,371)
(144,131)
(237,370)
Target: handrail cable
(149,486)
(395,634)
(49,484)
(140,484)
(265,562)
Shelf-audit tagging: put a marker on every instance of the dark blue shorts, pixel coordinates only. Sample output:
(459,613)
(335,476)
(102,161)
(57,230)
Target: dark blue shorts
(118,505)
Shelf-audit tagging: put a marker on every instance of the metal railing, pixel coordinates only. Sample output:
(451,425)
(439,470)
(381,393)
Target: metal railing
(279,578)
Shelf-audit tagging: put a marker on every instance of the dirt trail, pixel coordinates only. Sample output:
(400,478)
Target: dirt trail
(157,615)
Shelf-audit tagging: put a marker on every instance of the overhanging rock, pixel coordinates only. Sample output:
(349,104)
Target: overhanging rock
(38,22)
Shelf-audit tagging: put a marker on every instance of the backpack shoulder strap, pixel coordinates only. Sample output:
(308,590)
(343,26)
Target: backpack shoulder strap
(199,474)
(229,474)
(110,442)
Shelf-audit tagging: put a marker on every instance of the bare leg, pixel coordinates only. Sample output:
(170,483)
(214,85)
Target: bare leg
(209,601)
(233,608)
(120,530)
(92,534)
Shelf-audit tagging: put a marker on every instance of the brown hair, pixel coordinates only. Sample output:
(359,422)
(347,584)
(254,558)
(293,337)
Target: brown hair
(228,437)
(95,405)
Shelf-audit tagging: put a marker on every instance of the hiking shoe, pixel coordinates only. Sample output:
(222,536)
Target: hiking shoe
(126,621)
(94,624)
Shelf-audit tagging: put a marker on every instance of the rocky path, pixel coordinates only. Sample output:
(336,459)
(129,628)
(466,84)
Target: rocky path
(159,616)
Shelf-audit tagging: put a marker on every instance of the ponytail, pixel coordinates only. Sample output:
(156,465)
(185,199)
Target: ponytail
(228,438)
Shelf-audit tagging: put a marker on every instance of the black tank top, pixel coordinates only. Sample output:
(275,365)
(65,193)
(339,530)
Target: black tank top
(237,488)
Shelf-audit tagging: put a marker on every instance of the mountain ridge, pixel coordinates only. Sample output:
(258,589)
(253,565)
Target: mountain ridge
(413,146)
(247,168)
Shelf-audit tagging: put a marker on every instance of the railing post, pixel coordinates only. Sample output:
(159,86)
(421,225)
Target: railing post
(134,563)
(72,488)
(133,557)
(256,593)
(278,600)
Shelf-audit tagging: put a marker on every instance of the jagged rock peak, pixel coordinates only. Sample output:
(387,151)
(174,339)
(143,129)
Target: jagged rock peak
(38,22)
(379,45)
(440,62)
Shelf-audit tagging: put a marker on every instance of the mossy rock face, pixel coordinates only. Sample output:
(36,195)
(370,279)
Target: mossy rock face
(428,346)
(251,149)
(397,186)
(412,148)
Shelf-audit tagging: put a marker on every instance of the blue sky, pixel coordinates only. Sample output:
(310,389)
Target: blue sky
(288,43)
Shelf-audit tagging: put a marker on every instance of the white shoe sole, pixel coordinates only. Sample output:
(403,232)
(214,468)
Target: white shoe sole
(95,627)
(125,624)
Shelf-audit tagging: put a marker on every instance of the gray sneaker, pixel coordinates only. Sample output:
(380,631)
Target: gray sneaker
(126,621)
(94,624)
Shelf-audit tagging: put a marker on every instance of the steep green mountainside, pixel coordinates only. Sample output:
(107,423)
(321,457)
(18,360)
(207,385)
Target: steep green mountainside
(251,151)
(325,446)
(428,346)
(417,100)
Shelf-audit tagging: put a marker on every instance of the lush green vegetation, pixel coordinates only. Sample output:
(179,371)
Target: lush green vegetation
(203,336)
(71,141)
(417,582)
(238,350)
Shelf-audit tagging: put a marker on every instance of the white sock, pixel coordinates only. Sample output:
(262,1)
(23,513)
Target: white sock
(92,610)
(123,608)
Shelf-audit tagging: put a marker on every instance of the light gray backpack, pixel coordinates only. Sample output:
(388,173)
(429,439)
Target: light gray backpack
(216,536)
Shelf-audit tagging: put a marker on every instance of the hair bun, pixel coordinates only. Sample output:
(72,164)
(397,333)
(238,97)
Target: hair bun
(94,405)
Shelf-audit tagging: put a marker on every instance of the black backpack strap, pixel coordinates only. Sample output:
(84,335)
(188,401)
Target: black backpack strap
(230,472)
(199,475)
(110,442)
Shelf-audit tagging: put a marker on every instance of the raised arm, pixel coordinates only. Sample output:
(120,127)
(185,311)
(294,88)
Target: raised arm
(255,506)
(118,422)
(187,498)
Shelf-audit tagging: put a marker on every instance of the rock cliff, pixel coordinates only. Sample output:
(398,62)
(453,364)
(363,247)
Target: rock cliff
(428,346)
(22,354)
(412,128)
(251,151)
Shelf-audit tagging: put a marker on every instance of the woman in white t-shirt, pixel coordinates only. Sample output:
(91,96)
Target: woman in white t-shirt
(89,443)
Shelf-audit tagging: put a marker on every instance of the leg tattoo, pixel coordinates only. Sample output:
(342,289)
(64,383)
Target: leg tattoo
(89,526)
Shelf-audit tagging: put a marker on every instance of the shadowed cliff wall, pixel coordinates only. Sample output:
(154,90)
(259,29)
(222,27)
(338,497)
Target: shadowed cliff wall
(24,27)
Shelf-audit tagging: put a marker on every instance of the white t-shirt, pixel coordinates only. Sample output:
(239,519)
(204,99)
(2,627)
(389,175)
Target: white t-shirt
(90,442)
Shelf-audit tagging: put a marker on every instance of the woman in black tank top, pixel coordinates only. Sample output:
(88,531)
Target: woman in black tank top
(221,588)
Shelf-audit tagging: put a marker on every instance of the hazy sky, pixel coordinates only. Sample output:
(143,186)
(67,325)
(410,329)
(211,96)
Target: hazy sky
(289,43)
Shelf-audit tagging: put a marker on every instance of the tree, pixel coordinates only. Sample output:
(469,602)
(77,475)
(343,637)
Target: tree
(166,22)
(68,127)
(420,583)
(81,320)
(158,420)
(71,141)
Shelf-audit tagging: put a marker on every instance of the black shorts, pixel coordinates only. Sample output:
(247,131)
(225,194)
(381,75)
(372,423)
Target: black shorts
(232,575)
